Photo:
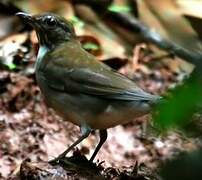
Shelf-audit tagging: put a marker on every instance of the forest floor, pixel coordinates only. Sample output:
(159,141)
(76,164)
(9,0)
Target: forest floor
(31,131)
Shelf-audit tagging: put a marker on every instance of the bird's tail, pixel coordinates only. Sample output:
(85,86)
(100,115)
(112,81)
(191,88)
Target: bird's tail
(155,100)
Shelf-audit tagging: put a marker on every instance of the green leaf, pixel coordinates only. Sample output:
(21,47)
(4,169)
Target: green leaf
(116,8)
(178,109)
(76,21)
(90,46)
(11,66)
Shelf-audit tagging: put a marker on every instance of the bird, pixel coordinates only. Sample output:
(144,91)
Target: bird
(81,89)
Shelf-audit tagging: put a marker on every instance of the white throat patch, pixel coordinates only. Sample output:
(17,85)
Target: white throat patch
(42,51)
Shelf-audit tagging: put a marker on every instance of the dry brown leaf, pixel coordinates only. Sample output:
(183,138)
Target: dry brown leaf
(166,18)
(191,8)
(110,47)
(64,8)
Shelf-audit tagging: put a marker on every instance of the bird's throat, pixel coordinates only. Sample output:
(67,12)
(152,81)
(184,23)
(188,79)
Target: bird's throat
(41,53)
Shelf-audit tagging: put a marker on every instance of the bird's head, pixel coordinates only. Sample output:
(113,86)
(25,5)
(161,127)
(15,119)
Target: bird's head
(50,28)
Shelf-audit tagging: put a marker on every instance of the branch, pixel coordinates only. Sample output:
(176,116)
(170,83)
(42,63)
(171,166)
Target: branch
(154,37)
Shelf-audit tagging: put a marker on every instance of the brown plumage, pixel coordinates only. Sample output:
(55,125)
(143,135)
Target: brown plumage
(81,89)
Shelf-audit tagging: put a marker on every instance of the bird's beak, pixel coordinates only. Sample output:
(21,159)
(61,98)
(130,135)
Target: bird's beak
(27,18)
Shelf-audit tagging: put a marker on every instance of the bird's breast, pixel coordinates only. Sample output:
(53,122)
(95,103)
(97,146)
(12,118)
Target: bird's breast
(61,102)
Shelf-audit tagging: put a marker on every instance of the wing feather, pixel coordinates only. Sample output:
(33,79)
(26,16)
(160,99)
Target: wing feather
(99,84)
(89,76)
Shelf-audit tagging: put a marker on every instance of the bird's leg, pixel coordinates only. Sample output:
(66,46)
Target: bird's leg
(103,137)
(85,133)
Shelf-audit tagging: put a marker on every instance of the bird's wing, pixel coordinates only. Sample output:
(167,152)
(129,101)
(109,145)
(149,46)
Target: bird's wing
(88,76)
(112,86)
(106,85)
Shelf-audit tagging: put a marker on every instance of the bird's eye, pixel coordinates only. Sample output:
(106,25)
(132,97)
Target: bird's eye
(50,21)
